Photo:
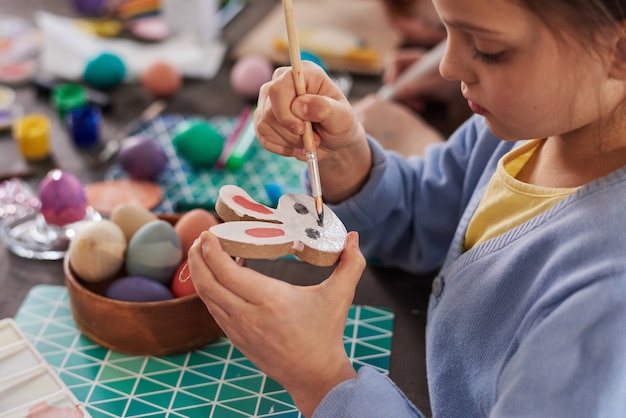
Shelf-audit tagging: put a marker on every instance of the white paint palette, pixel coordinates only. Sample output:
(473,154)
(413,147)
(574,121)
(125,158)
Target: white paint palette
(28,385)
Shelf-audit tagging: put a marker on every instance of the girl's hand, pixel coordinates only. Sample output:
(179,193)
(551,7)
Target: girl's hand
(280,115)
(292,333)
(428,89)
(342,149)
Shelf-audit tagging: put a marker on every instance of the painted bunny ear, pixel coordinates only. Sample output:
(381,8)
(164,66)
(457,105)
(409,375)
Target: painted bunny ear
(254,239)
(265,240)
(234,204)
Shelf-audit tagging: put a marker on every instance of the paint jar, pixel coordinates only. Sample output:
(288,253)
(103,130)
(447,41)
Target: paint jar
(68,96)
(83,124)
(32,134)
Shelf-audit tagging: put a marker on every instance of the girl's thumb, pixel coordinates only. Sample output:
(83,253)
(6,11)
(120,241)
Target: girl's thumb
(351,265)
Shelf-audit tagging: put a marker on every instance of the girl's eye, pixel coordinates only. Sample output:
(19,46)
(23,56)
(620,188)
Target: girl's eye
(489,58)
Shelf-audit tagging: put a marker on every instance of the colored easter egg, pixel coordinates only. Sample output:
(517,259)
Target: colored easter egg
(191,225)
(249,73)
(91,7)
(63,198)
(154,251)
(96,252)
(142,158)
(149,28)
(198,142)
(182,285)
(138,289)
(130,217)
(161,79)
(105,71)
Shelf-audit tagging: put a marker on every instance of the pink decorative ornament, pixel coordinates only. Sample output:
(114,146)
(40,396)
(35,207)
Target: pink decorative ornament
(248,75)
(63,198)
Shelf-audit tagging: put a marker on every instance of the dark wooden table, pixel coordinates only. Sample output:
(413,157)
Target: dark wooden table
(406,294)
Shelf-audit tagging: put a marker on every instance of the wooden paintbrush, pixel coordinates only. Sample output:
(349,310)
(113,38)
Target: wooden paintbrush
(307,137)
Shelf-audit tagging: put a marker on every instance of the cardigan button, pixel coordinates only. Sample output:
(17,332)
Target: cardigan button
(437,286)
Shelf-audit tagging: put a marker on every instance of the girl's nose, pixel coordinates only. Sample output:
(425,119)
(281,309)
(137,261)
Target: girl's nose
(454,64)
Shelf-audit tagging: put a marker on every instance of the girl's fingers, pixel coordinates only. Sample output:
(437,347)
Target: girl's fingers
(212,292)
(350,268)
(248,285)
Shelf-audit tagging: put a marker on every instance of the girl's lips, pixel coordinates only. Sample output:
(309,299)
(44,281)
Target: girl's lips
(476,108)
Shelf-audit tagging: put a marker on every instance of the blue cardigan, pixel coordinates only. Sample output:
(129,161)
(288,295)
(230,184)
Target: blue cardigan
(529,324)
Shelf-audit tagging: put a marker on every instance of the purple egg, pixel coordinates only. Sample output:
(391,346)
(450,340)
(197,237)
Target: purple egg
(63,198)
(142,158)
(91,7)
(138,289)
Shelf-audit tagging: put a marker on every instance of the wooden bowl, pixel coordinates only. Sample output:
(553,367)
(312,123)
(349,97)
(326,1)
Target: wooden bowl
(144,328)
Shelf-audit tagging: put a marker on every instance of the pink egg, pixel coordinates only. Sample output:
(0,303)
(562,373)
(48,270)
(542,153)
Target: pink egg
(63,198)
(249,73)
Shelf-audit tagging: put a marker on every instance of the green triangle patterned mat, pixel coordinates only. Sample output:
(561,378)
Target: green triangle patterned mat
(182,182)
(216,381)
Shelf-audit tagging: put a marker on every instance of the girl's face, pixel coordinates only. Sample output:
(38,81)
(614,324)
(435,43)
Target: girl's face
(515,73)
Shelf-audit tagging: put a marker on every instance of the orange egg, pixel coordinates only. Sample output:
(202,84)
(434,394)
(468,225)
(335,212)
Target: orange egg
(190,226)
(161,79)
(182,285)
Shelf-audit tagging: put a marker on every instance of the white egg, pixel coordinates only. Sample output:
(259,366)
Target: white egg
(97,250)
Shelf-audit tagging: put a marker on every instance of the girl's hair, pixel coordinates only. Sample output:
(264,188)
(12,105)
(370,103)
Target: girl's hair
(585,19)
(400,7)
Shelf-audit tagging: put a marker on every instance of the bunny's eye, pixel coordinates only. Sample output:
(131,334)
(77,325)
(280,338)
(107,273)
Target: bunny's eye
(312,233)
(300,209)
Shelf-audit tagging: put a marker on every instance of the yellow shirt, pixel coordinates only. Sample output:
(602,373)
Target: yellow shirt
(509,202)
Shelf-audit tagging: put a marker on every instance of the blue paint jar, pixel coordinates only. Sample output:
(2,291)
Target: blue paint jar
(83,124)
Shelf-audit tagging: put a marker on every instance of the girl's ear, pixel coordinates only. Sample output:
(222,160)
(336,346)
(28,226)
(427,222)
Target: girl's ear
(618,66)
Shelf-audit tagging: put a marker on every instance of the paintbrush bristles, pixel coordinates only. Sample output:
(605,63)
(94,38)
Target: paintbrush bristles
(319,207)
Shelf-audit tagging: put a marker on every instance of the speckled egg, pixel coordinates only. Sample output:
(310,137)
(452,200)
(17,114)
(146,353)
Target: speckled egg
(96,252)
(130,217)
(190,226)
(138,289)
(63,198)
(154,251)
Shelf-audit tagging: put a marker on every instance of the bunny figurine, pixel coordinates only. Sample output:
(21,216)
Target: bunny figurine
(253,230)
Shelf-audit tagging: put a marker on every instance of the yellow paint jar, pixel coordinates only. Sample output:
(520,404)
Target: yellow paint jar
(32,134)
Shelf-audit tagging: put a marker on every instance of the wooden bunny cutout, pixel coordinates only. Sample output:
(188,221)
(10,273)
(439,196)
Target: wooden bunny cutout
(253,230)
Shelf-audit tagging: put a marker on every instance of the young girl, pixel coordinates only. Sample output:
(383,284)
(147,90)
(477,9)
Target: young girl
(524,207)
